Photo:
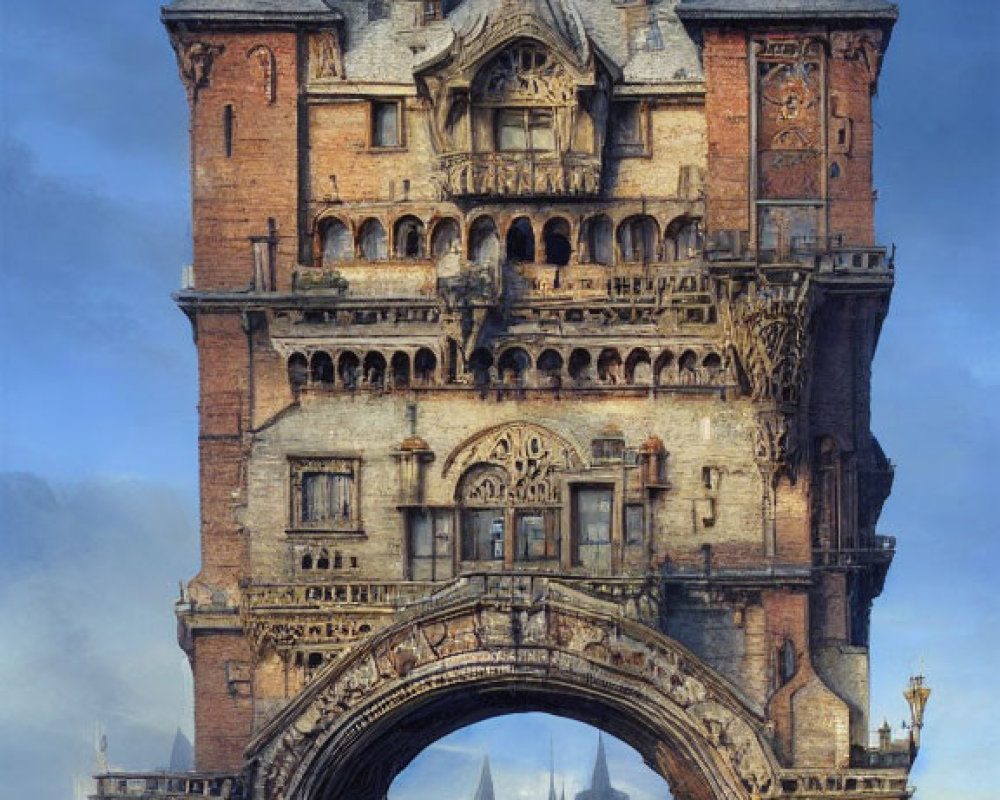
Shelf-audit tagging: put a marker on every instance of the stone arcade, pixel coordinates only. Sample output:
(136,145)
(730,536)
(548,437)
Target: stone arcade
(535,342)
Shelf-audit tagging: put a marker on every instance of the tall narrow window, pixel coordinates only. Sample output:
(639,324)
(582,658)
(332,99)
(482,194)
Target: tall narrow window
(592,508)
(227,129)
(386,125)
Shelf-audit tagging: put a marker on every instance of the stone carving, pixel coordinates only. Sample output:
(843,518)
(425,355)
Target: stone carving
(326,58)
(195,59)
(527,459)
(525,75)
(485,638)
(767,327)
(262,58)
(861,47)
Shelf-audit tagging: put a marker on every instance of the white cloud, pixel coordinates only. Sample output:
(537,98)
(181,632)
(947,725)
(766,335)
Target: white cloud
(87,578)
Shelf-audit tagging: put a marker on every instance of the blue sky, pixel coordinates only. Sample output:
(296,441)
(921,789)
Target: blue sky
(98,484)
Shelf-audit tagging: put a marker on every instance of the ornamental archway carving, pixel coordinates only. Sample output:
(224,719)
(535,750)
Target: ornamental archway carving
(544,647)
(525,459)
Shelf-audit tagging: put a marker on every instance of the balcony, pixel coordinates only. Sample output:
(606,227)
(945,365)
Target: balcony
(879,551)
(167,785)
(521,174)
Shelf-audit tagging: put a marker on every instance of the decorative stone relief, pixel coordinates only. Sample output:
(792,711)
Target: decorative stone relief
(195,59)
(482,640)
(528,459)
(767,327)
(326,58)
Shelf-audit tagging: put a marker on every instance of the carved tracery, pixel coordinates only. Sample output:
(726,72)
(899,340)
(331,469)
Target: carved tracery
(518,464)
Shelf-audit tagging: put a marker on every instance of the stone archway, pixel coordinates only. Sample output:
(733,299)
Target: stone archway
(489,646)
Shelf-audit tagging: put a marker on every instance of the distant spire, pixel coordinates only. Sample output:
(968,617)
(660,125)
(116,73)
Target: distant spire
(485,789)
(181,759)
(601,782)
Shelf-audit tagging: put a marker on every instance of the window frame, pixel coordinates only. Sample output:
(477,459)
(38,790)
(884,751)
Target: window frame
(528,116)
(300,467)
(642,147)
(373,106)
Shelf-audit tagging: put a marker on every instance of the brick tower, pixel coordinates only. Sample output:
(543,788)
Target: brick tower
(534,348)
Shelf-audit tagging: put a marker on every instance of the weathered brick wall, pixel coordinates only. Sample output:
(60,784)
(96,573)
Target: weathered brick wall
(850,87)
(223,707)
(727,112)
(233,196)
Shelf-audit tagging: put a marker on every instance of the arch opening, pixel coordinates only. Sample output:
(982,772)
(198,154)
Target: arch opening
(525,752)
(474,657)
(521,241)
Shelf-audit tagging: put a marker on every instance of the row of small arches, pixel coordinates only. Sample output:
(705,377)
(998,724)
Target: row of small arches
(351,370)
(322,560)
(635,239)
(512,365)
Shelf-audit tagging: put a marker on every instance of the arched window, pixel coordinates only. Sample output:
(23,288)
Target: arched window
(348,368)
(374,370)
(683,239)
(484,242)
(337,242)
(372,240)
(712,364)
(400,367)
(550,364)
(786,658)
(579,365)
(609,366)
(662,372)
(298,372)
(687,367)
(425,365)
(445,237)
(637,239)
(597,240)
(480,363)
(322,368)
(556,235)
(521,241)
(638,368)
(409,237)
(514,365)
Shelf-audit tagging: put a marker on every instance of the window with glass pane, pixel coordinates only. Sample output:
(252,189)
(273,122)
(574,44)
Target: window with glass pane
(541,136)
(593,515)
(483,534)
(537,535)
(511,134)
(327,496)
(626,122)
(385,125)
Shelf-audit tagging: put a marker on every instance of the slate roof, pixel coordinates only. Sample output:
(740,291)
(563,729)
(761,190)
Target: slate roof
(799,9)
(379,52)
(250,11)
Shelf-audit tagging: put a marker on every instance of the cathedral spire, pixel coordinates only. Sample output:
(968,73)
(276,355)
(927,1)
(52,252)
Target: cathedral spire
(485,788)
(601,782)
